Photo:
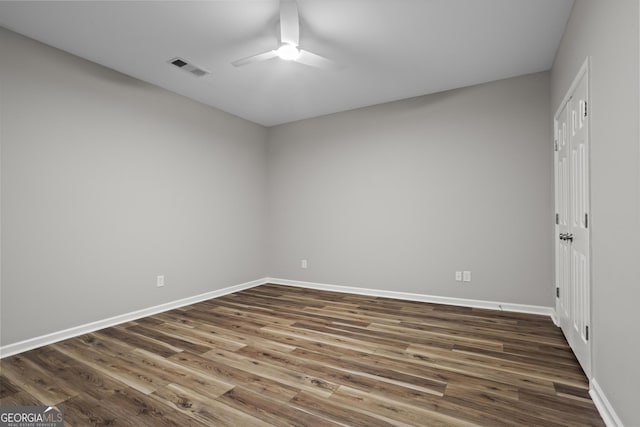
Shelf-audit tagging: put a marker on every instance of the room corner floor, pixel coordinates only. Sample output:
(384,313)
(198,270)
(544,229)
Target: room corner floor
(279,355)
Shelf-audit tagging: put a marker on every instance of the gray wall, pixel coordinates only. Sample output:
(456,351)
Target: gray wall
(399,196)
(108,182)
(608,32)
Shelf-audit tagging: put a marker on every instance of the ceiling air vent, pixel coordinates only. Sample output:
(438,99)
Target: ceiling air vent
(190,68)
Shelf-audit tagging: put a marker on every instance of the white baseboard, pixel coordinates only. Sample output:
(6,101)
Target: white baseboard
(605,409)
(519,308)
(30,344)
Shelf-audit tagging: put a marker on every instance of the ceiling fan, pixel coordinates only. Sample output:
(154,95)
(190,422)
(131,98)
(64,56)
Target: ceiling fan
(288,48)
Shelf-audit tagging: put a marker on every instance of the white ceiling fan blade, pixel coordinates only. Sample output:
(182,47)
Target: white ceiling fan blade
(313,60)
(265,56)
(289,23)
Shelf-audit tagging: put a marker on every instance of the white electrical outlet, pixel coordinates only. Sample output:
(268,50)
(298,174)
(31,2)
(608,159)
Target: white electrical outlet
(466,276)
(160,281)
(458,276)
(303,263)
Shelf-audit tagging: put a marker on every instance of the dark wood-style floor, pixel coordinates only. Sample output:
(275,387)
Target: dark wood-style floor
(276,355)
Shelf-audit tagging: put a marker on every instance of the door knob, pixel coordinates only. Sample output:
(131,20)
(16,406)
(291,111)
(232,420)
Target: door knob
(569,237)
(563,236)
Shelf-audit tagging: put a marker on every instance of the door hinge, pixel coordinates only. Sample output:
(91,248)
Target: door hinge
(557,219)
(555,145)
(586,220)
(585,108)
(557,292)
(586,332)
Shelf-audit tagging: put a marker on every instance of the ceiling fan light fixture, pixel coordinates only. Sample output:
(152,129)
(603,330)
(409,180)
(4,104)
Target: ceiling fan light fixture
(288,52)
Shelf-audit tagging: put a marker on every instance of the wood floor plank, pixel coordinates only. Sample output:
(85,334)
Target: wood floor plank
(239,336)
(285,356)
(35,380)
(159,333)
(123,370)
(21,398)
(83,410)
(337,411)
(353,367)
(454,365)
(175,373)
(140,341)
(241,314)
(329,368)
(569,375)
(204,337)
(252,381)
(396,409)
(7,388)
(528,359)
(435,339)
(74,374)
(204,409)
(290,377)
(274,411)
(132,406)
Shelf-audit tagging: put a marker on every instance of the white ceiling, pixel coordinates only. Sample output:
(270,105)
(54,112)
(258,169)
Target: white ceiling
(390,49)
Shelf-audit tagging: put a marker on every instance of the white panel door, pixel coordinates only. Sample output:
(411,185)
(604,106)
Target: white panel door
(579,232)
(573,272)
(563,209)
